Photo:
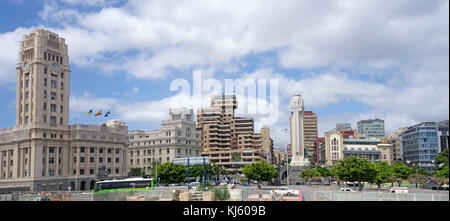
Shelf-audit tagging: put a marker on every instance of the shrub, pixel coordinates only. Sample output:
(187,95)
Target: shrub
(221,194)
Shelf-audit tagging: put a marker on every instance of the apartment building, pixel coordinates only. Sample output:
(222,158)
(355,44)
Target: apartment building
(311,132)
(228,140)
(177,138)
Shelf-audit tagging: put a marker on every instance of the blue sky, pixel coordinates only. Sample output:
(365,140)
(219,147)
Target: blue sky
(350,60)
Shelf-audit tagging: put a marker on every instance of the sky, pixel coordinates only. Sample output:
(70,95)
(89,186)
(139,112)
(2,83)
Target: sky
(350,60)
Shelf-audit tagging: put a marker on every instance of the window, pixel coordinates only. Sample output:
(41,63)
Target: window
(61,121)
(61,109)
(52,120)
(91,171)
(51,160)
(100,160)
(117,151)
(45,70)
(81,159)
(82,149)
(53,95)
(62,85)
(51,150)
(62,73)
(109,160)
(53,84)
(117,160)
(45,55)
(27,95)
(81,171)
(45,82)
(26,83)
(74,159)
(91,159)
(91,150)
(45,94)
(53,107)
(44,106)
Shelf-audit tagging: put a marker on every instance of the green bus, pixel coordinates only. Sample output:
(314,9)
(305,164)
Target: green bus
(130,184)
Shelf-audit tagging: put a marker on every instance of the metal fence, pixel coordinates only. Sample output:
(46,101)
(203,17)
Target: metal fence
(374,196)
(159,193)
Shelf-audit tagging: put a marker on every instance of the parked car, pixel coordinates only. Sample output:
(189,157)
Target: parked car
(285,191)
(223,184)
(346,190)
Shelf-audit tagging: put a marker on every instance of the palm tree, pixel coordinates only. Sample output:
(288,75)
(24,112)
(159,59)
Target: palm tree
(236,157)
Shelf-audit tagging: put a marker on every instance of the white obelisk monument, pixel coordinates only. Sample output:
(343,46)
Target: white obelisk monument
(297,132)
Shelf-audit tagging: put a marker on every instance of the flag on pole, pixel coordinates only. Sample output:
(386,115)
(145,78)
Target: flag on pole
(99,113)
(90,112)
(107,113)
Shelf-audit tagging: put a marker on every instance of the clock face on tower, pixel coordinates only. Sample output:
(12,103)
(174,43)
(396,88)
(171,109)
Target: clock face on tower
(26,66)
(55,67)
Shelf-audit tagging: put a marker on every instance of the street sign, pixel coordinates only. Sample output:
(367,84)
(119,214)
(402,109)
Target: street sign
(192,160)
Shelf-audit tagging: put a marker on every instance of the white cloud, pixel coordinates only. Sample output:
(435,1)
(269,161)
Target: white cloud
(9,43)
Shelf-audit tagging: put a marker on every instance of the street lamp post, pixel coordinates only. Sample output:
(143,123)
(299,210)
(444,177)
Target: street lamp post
(287,163)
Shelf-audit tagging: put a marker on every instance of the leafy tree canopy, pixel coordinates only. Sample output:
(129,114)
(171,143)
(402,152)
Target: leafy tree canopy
(354,169)
(384,173)
(260,171)
(170,173)
(309,174)
(134,172)
(401,170)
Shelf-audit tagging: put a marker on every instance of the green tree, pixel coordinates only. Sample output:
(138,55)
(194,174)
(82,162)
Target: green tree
(442,158)
(401,172)
(136,172)
(260,171)
(384,173)
(221,194)
(443,172)
(195,170)
(324,172)
(236,157)
(442,163)
(310,174)
(170,173)
(353,169)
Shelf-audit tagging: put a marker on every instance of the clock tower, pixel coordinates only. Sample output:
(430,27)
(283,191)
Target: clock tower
(43,73)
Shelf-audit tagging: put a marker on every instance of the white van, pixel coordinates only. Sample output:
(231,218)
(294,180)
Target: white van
(398,190)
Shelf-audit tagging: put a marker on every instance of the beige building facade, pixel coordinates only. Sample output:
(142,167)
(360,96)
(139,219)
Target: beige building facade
(331,150)
(395,139)
(337,148)
(43,152)
(224,135)
(178,138)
